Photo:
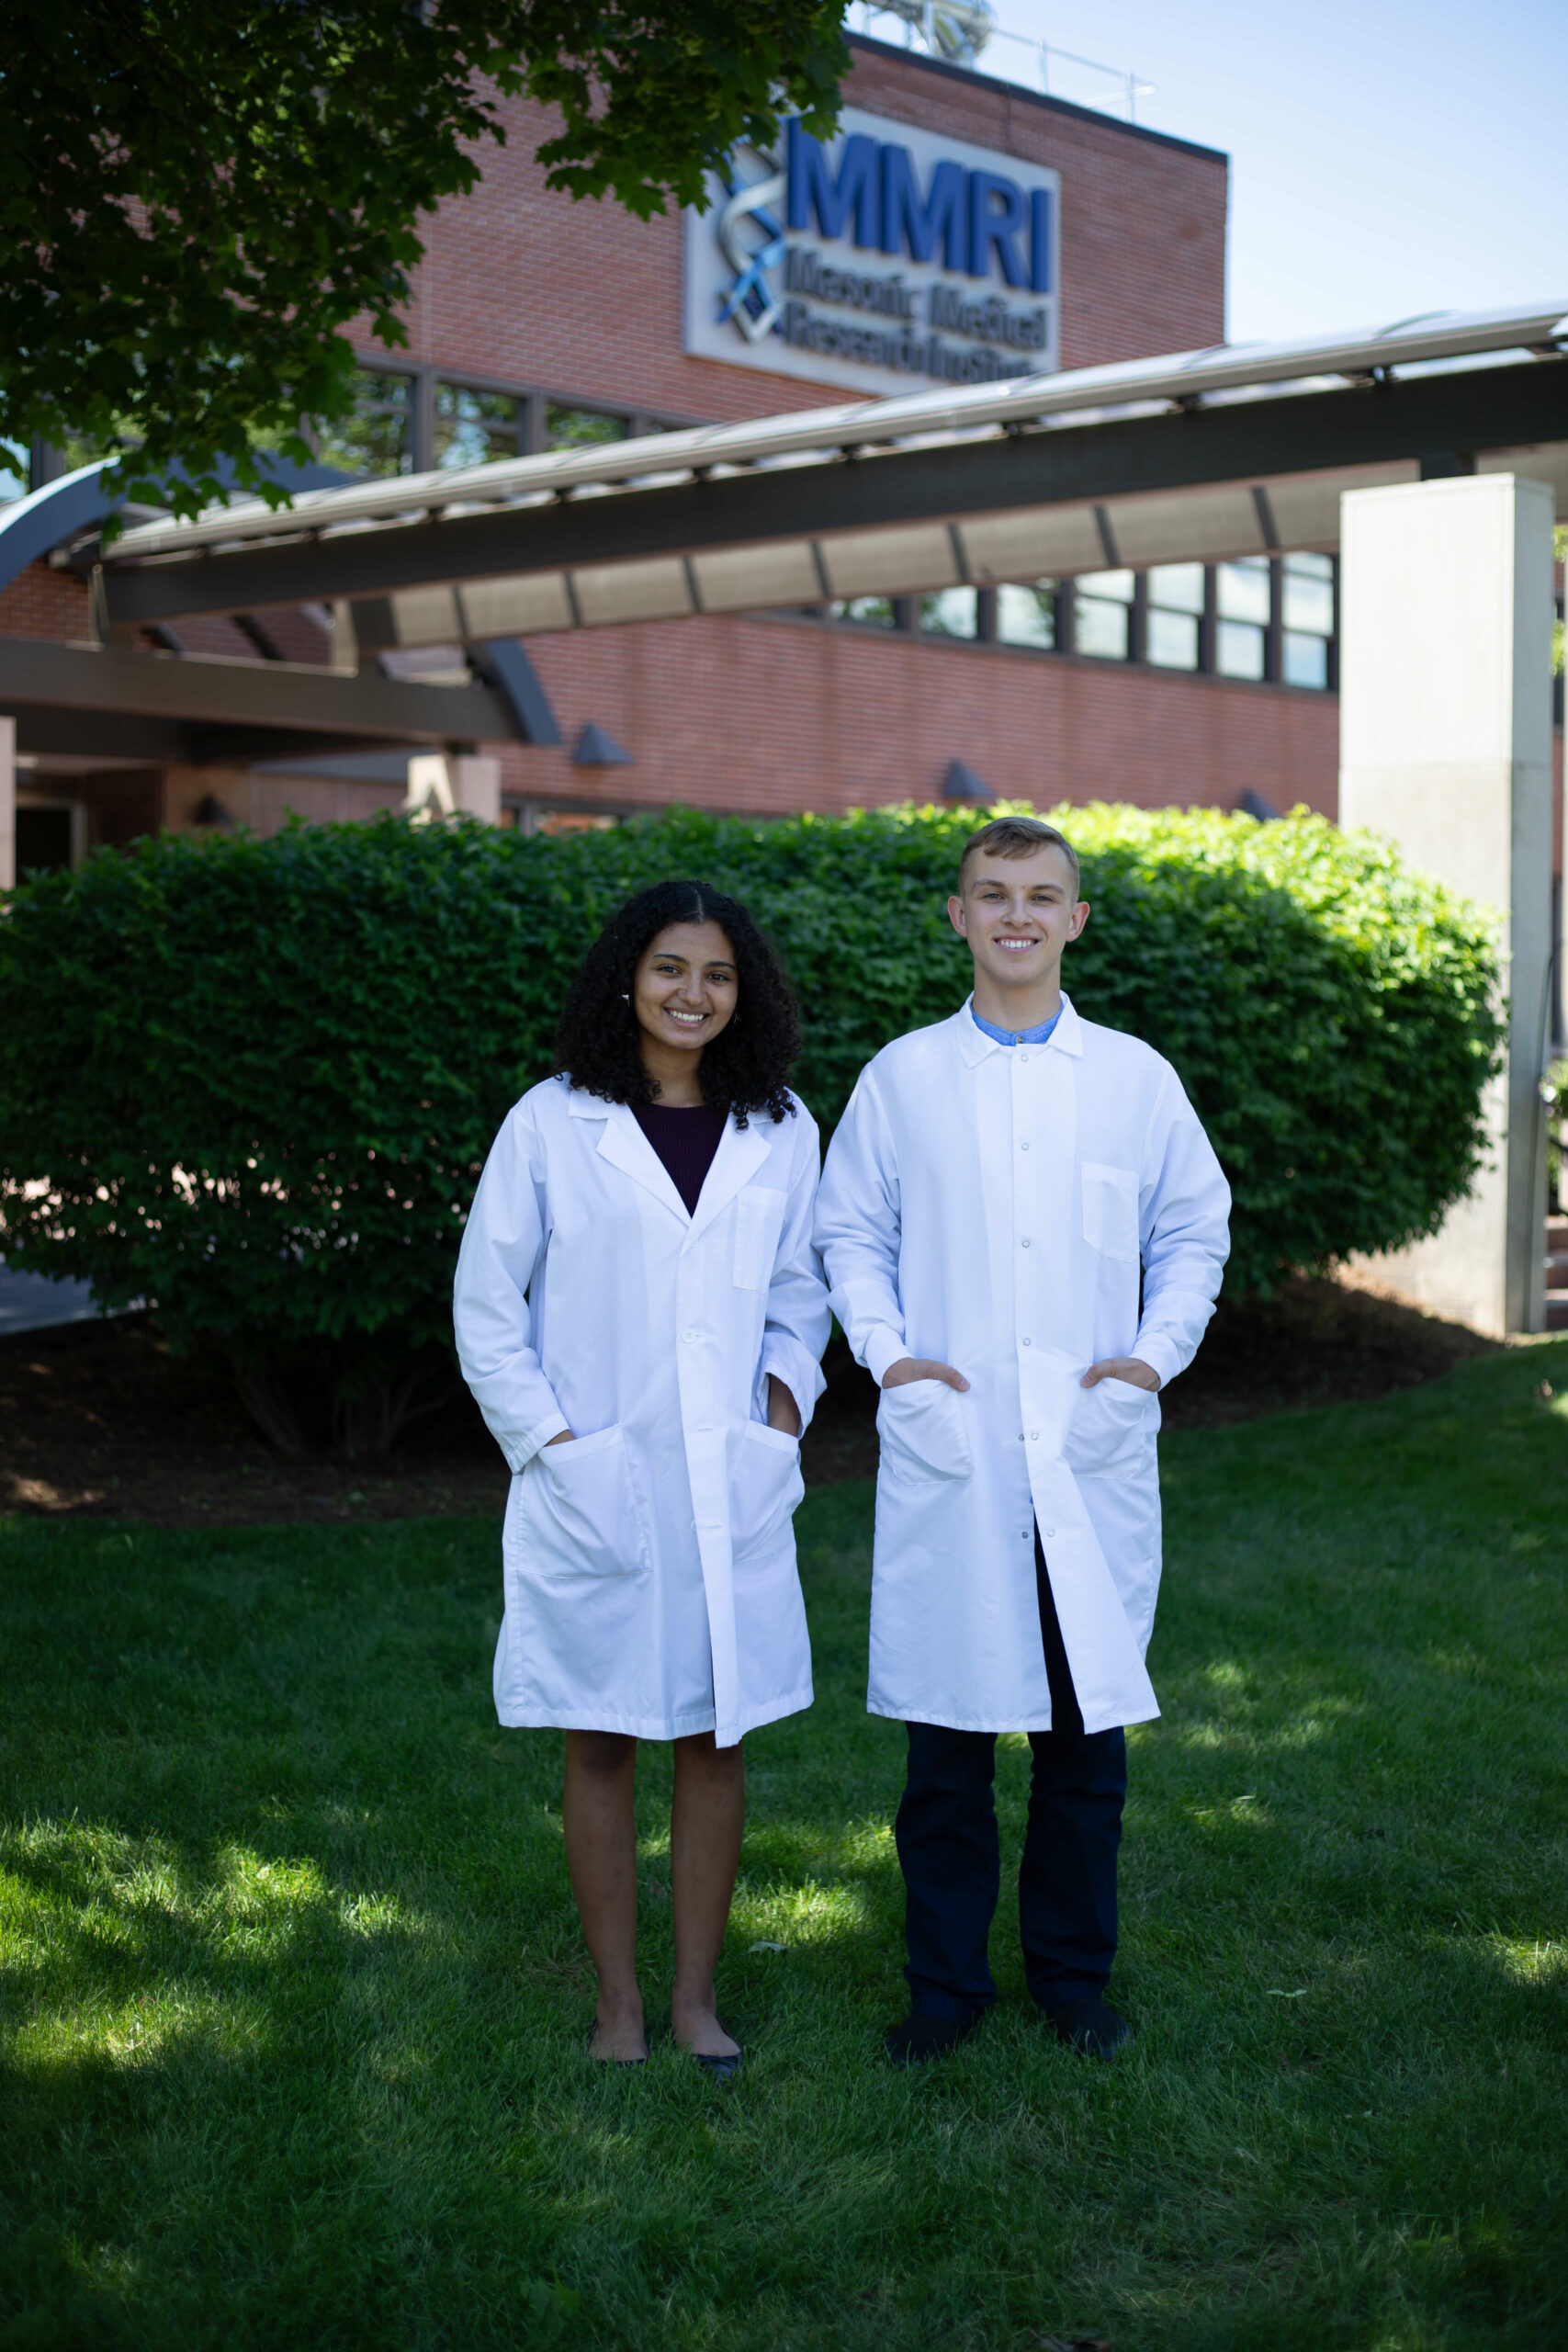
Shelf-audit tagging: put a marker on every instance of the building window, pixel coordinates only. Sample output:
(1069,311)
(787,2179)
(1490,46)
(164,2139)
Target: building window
(1242,602)
(1026,615)
(580,428)
(474,428)
(950,612)
(376,436)
(1266,620)
(1175,616)
(1103,609)
(1307,619)
(872,612)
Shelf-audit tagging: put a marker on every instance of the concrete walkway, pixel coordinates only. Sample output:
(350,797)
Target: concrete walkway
(31,1303)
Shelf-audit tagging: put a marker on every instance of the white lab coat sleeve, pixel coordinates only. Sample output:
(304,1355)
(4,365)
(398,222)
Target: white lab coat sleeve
(857,1225)
(798,1320)
(1184,1213)
(504,1243)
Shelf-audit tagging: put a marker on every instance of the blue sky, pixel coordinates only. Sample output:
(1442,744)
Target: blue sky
(1384,159)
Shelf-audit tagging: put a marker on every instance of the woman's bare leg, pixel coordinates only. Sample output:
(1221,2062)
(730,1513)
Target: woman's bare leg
(705,1823)
(600,1820)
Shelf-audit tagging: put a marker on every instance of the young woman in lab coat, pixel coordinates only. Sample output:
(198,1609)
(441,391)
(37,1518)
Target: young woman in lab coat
(639,1312)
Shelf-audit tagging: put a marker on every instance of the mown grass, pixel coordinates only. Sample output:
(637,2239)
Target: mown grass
(294,2000)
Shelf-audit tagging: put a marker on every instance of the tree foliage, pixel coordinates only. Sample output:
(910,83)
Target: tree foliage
(256,1081)
(197,196)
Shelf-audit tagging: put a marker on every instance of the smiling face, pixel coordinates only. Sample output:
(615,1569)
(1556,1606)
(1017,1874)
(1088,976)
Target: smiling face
(684,994)
(1018,914)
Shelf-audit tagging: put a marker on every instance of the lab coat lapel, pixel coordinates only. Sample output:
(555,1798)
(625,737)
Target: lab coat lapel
(1109,1676)
(624,1145)
(741,1152)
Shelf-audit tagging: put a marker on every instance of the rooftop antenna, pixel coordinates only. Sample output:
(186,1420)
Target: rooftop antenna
(957,30)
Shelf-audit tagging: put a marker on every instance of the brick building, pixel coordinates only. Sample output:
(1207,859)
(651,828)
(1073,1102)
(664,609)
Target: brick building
(536,323)
(872,702)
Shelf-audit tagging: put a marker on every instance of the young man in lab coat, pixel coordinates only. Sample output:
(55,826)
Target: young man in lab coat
(995,1187)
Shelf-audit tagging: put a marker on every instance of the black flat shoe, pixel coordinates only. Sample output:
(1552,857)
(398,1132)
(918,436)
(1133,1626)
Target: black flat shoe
(719,2068)
(921,2037)
(1087,2025)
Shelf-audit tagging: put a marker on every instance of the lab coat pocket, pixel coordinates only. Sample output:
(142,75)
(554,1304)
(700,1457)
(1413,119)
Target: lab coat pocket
(1112,1432)
(758,1221)
(922,1431)
(1110,1210)
(765,1486)
(578,1513)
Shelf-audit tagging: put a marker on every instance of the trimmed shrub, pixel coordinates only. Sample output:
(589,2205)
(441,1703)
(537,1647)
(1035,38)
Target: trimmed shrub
(256,1081)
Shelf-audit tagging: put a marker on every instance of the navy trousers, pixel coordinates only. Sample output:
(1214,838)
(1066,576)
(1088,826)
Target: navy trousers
(949,1852)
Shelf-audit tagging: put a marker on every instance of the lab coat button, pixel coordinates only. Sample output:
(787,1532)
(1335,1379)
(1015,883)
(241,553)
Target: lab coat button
(688,1336)
(1026,1241)
(1023,1147)
(1029,1343)
(1050,1531)
(1034,1437)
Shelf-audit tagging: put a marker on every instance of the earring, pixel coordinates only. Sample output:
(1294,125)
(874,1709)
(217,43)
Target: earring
(625,997)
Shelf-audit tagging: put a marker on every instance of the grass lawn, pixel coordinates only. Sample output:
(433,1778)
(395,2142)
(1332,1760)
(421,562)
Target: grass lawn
(294,2002)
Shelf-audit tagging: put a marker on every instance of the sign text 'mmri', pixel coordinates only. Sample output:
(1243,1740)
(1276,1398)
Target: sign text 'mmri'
(980,223)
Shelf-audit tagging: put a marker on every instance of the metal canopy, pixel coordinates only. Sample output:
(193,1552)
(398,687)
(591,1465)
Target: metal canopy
(1191,458)
(115,701)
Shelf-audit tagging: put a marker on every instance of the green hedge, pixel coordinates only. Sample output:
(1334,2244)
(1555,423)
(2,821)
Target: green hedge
(255,1080)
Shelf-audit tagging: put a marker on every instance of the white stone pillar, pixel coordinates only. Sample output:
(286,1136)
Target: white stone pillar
(476,786)
(466,786)
(1445,733)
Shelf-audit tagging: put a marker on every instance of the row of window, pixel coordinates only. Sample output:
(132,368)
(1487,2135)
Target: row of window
(1266,619)
(392,431)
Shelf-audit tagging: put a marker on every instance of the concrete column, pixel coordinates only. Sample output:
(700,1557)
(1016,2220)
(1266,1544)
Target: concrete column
(476,786)
(467,784)
(1446,749)
(7,804)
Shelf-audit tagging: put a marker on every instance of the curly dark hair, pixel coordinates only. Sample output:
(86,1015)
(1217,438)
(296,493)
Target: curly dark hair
(746,1068)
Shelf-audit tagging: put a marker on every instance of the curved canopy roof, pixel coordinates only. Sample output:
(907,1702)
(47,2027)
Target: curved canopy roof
(1192,457)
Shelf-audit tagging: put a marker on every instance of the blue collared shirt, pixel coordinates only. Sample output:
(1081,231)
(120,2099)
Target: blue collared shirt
(1017,1036)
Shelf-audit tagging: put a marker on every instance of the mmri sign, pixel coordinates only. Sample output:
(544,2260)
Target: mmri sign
(891,259)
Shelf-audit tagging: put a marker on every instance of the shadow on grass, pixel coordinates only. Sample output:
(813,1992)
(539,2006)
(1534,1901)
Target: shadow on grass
(294,1996)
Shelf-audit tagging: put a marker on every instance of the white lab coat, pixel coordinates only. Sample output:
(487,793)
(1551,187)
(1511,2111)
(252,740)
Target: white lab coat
(648,1566)
(988,1205)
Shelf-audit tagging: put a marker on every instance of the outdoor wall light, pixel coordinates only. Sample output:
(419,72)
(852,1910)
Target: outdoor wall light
(597,749)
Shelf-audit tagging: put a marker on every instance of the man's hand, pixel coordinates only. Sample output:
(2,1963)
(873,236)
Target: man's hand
(1132,1369)
(783,1413)
(562,1437)
(922,1368)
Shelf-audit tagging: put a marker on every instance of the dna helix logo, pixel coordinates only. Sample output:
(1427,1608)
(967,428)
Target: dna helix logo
(752,209)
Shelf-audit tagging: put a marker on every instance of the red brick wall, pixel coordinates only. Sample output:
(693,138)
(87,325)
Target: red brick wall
(769,716)
(43,603)
(580,298)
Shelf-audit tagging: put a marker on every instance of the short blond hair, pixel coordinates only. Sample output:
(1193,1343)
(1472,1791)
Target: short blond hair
(1017,837)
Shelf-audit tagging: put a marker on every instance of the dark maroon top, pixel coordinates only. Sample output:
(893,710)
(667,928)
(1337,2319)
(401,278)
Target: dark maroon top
(685,1141)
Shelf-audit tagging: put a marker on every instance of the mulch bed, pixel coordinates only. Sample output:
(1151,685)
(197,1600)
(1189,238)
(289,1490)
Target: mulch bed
(101,1418)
